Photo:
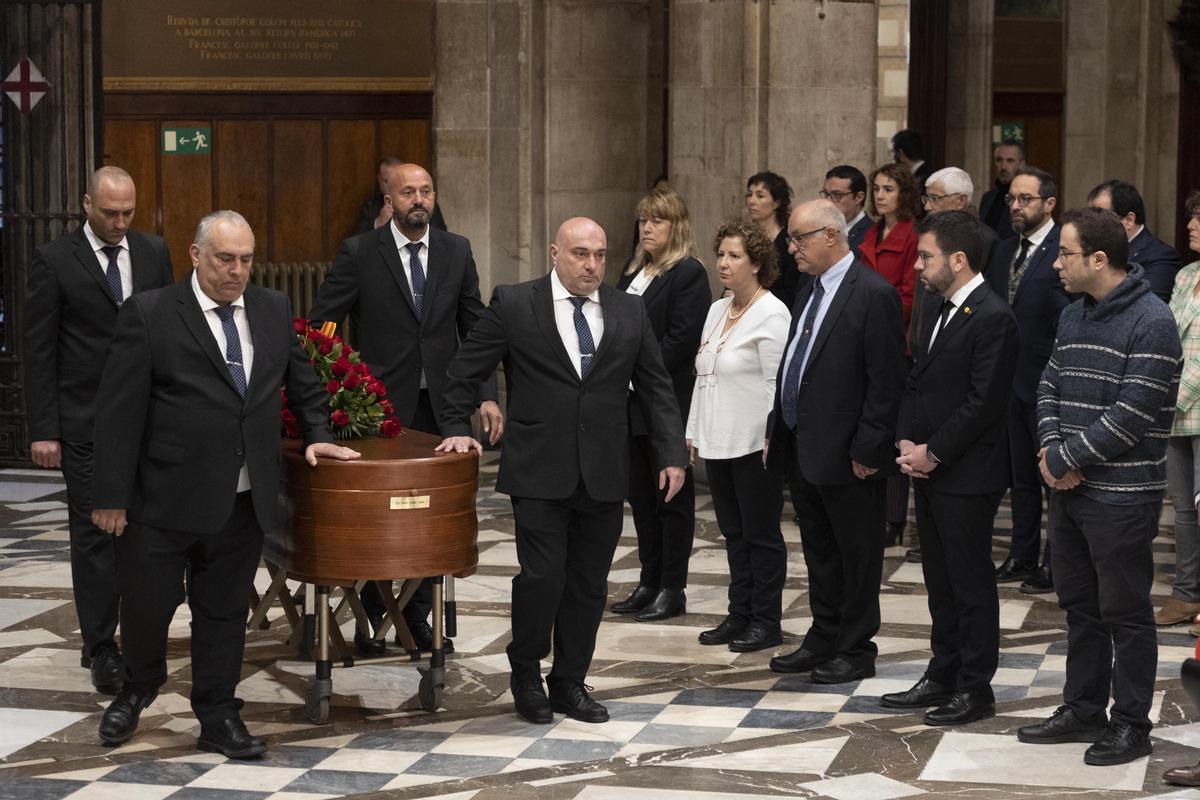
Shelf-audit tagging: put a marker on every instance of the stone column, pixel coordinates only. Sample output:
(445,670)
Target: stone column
(788,86)
(969,97)
(1122,102)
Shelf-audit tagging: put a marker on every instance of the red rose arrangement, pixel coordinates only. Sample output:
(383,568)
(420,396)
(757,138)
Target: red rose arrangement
(358,404)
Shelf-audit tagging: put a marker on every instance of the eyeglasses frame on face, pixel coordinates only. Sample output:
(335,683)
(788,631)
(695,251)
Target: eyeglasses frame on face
(834,196)
(1023,200)
(1064,254)
(937,198)
(925,258)
(798,238)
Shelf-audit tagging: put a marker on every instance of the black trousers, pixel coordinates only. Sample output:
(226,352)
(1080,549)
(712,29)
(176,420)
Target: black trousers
(665,531)
(1028,488)
(840,528)
(151,564)
(93,553)
(565,549)
(421,603)
(747,500)
(1103,568)
(956,559)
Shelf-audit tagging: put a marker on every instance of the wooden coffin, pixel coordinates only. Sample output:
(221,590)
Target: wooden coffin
(401,511)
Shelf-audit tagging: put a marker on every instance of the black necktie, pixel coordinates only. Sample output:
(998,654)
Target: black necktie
(418,278)
(113,272)
(583,331)
(943,318)
(791,381)
(233,348)
(1018,269)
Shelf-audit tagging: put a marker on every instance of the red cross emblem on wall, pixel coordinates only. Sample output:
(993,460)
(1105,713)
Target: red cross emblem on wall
(25,85)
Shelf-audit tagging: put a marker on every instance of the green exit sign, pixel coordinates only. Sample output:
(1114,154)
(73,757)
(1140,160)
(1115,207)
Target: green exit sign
(186,141)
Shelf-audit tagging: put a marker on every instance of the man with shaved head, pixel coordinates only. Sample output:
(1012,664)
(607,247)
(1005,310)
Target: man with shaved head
(834,424)
(76,284)
(412,294)
(571,346)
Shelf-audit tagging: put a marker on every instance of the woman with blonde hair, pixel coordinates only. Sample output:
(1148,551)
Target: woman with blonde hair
(673,286)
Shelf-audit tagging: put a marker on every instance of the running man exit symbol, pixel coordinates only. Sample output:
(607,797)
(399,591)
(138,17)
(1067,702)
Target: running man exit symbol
(186,141)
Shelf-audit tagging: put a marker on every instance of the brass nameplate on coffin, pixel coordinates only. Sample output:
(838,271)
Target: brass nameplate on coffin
(402,503)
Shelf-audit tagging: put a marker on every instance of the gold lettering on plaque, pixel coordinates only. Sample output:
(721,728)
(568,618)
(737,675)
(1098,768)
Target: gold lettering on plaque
(403,503)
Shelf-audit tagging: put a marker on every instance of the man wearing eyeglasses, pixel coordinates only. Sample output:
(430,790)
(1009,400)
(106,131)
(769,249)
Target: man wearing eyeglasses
(412,293)
(846,187)
(1037,299)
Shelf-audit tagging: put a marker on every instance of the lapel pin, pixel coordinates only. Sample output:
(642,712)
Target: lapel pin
(966,310)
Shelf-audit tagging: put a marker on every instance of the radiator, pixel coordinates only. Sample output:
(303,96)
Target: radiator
(299,281)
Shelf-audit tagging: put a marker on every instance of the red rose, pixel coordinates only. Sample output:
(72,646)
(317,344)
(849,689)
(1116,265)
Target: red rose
(287,416)
(390,428)
(379,390)
(325,347)
(340,367)
(332,387)
(386,406)
(313,335)
(340,418)
(300,325)
(352,381)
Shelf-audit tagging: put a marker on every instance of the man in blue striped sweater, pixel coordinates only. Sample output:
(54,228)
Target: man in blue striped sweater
(1105,405)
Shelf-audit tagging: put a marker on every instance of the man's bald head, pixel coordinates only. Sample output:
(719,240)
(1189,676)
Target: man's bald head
(817,236)
(577,255)
(109,203)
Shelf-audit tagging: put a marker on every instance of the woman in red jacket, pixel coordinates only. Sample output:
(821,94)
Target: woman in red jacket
(890,246)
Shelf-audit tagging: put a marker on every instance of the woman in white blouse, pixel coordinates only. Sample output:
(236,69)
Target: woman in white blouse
(740,350)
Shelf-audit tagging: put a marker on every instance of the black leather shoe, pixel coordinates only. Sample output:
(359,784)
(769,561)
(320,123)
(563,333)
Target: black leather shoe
(230,738)
(802,660)
(923,694)
(1121,744)
(729,629)
(572,698)
(120,719)
(840,670)
(1063,726)
(1040,582)
(756,637)
(639,599)
(913,556)
(108,669)
(530,699)
(1014,570)
(893,533)
(963,707)
(422,633)
(363,641)
(667,604)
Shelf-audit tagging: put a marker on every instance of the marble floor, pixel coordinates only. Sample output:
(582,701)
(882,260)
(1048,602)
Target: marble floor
(687,721)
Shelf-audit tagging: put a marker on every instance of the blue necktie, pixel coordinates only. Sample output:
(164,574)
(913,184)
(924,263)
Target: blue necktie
(418,277)
(791,381)
(587,346)
(113,273)
(233,348)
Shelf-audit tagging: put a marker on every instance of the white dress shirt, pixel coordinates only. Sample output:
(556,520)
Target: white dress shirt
(830,280)
(1037,237)
(640,283)
(209,307)
(402,243)
(124,265)
(956,301)
(564,319)
(857,217)
(731,401)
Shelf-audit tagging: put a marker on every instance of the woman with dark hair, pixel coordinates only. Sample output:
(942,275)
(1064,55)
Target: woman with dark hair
(736,367)
(674,288)
(1183,448)
(768,204)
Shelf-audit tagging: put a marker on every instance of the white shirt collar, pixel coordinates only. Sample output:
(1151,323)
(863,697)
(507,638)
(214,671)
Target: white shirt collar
(207,303)
(1037,237)
(95,242)
(559,292)
(403,241)
(916,165)
(833,276)
(1138,232)
(853,222)
(960,297)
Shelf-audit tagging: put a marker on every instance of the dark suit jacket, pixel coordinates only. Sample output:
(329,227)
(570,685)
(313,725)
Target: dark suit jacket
(1159,261)
(995,273)
(1037,306)
(850,390)
(560,429)
(957,394)
(677,304)
(368,283)
(922,174)
(69,320)
(859,231)
(994,212)
(172,430)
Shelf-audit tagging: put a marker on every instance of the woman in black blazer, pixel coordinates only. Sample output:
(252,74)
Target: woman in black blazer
(673,285)
(768,205)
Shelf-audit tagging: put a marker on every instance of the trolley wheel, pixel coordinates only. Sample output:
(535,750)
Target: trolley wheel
(433,681)
(316,701)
